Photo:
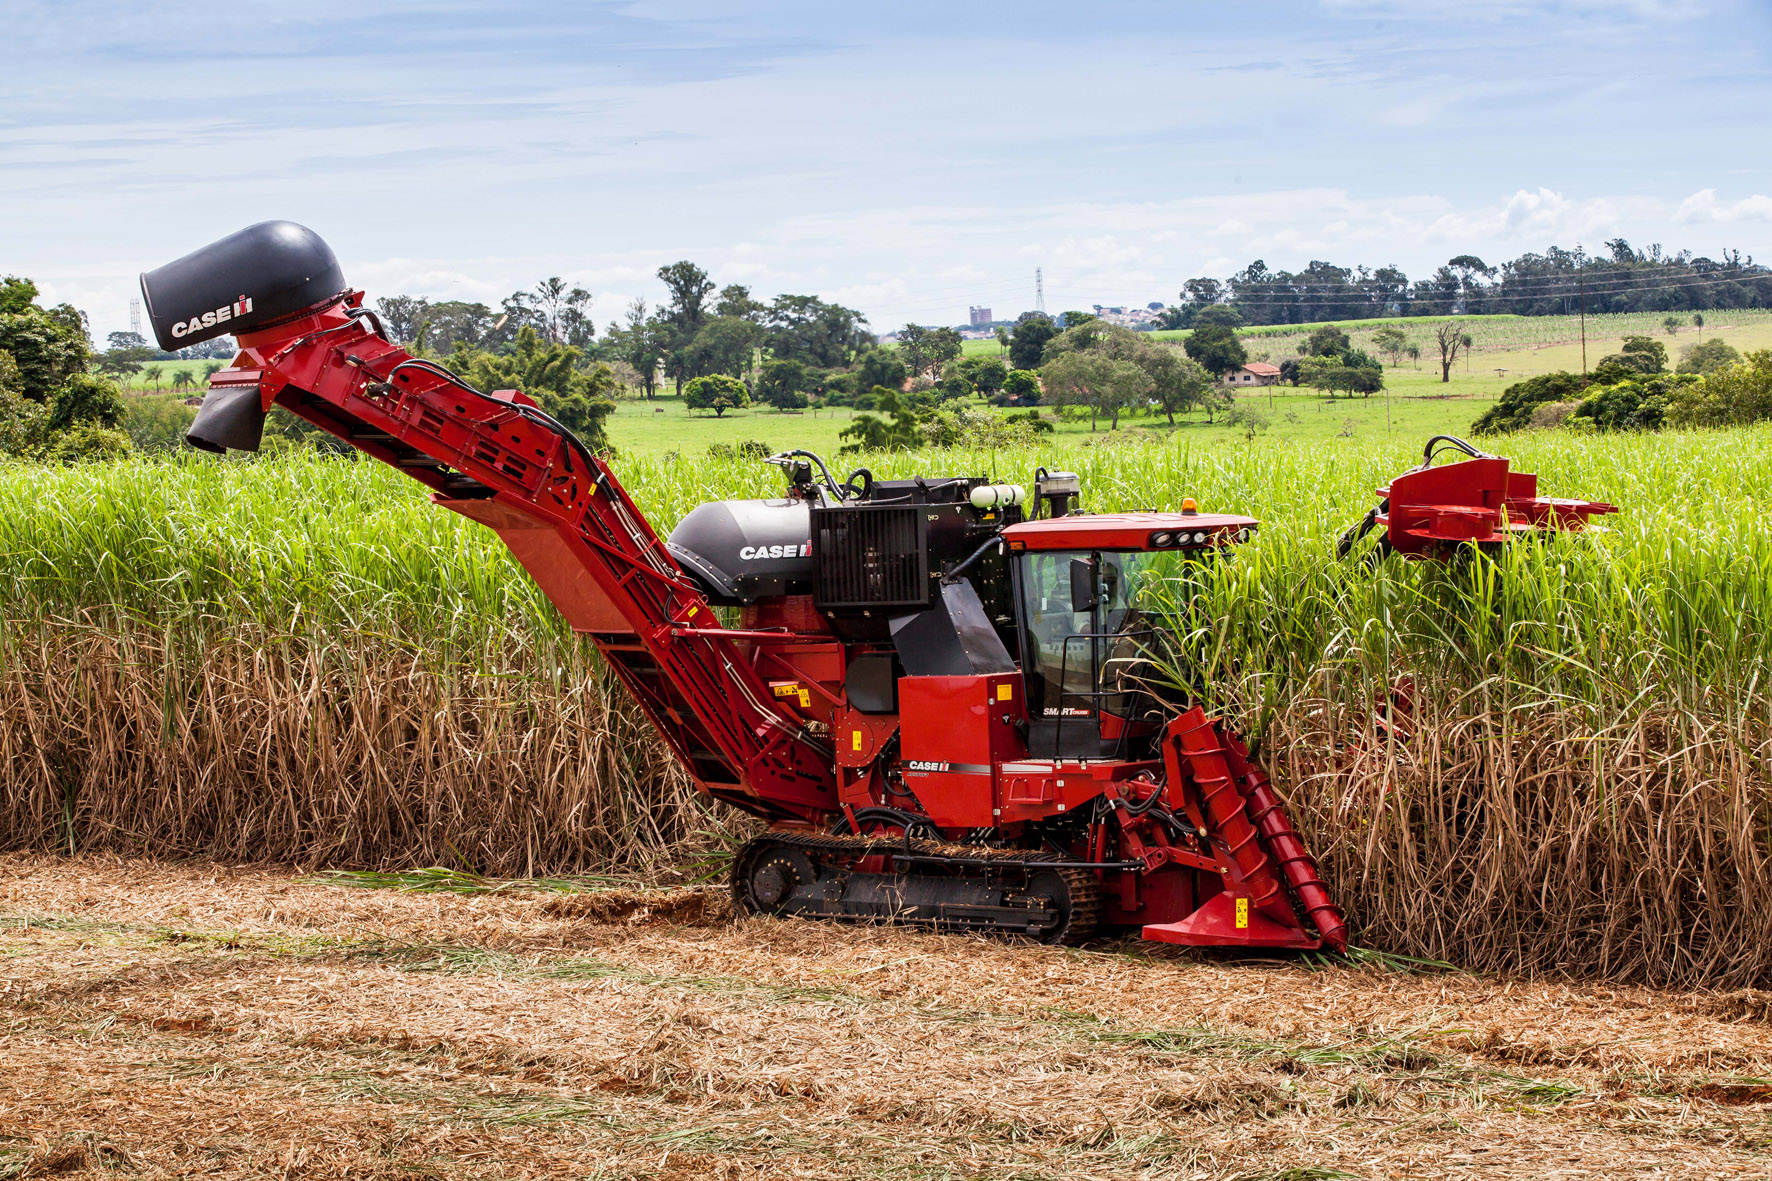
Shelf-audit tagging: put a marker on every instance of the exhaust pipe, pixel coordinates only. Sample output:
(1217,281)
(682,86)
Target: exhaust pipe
(263,275)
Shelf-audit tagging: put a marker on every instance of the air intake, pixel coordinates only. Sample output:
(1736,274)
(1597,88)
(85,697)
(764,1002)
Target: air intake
(870,558)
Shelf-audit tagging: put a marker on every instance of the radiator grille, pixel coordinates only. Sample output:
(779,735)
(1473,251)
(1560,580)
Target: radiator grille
(870,557)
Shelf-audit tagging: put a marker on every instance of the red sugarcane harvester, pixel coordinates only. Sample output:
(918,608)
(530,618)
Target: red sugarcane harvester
(946,697)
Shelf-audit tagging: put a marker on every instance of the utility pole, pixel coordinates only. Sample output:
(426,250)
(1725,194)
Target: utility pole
(1581,271)
(1039,292)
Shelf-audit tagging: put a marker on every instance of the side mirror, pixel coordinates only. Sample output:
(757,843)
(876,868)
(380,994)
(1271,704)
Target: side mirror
(1085,590)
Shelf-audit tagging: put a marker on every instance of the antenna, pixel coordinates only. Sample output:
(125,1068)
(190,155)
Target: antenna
(1039,292)
(135,315)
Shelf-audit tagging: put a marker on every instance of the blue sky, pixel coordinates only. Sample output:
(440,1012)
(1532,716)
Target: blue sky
(908,159)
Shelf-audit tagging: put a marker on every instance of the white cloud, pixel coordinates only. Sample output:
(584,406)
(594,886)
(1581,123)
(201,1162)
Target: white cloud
(1703,207)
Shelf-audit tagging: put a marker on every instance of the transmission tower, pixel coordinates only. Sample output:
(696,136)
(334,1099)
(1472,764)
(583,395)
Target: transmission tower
(135,315)
(1039,292)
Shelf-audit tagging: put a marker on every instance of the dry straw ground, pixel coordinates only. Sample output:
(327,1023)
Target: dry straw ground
(205,1021)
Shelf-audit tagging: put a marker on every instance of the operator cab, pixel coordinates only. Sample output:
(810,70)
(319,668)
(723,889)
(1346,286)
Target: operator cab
(1096,598)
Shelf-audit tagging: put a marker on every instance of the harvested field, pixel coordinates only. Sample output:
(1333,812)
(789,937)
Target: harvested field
(201,1020)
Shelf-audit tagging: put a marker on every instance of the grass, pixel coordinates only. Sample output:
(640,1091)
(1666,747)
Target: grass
(301,659)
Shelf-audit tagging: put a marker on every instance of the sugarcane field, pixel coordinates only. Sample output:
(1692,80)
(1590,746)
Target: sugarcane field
(1085,651)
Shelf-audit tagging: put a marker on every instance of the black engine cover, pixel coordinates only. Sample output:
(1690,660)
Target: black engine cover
(743,550)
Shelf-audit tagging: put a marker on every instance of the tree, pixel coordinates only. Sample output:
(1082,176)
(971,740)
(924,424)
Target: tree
(120,363)
(453,323)
(986,374)
(1354,373)
(1698,323)
(736,301)
(1222,314)
(562,312)
(1021,388)
(1075,319)
(1087,377)
(894,428)
(182,379)
(1327,340)
(943,345)
(912,345)
(1027,343)
(1451,339)
(1707,358)
(1178,383)
(1216,347)
(1672,325)
(725,344)
(86,400)
(1639,354)
(807,329)
(401,316)
(640,341)
(928,348)
(1737,396)
(955,385)
(48,345)
(690,287)
(882,366)
(1649,354)
(1391,341)
(783,384)
(716,392)
(1200,294)
(1002,335)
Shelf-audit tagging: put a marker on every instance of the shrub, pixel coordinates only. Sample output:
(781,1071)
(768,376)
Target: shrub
(716,392)
(1736,396)
(1514,411)
(1705,359)
(1547,415)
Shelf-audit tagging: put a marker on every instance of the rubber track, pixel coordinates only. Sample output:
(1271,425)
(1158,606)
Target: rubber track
(1084,888)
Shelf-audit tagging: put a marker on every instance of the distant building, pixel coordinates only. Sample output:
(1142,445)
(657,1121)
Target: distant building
(980,316)
(1254,373)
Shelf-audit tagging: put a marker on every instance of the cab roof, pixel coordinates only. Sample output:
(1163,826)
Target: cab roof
(1128,531)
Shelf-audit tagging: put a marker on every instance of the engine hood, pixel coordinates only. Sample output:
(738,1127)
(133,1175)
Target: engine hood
(744,550)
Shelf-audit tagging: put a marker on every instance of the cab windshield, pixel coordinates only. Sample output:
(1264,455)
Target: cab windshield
(1091,619)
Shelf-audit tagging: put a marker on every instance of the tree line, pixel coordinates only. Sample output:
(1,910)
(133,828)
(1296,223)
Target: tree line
(1556,282)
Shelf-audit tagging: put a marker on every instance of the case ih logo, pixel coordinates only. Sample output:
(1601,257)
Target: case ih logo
(210,319)
(753,552)
(949,768)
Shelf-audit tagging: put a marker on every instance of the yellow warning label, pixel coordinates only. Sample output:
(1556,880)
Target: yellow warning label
(792,690)
(855,740)
(1242,913)
(1005,692)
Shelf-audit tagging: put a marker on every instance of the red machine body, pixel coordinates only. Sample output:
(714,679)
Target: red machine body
(944,710)
(1479,500)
